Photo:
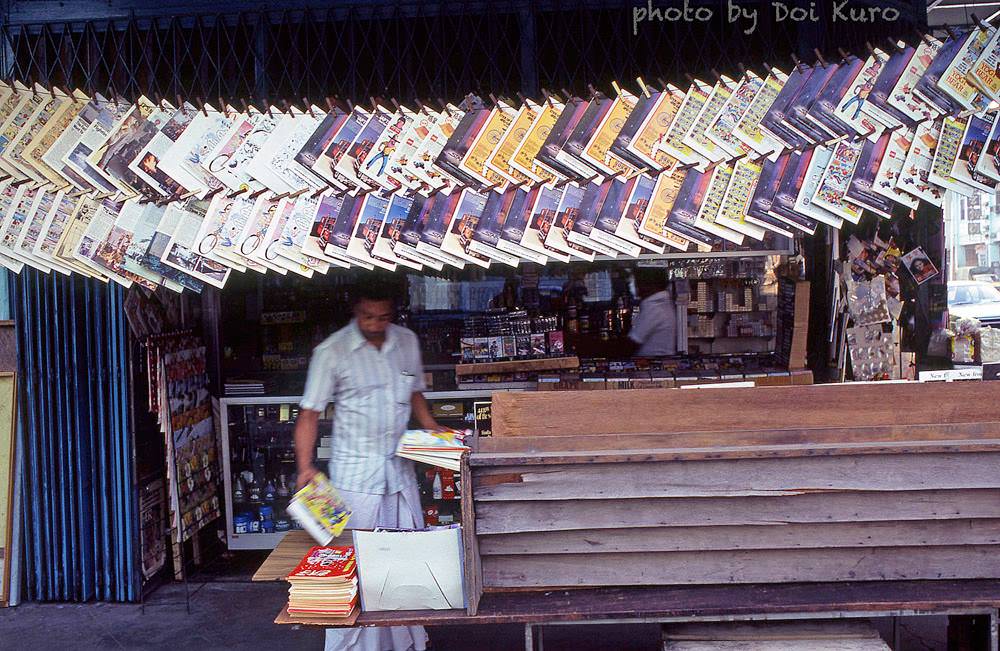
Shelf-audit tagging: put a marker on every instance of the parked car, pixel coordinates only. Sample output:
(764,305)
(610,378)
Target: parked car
(975,299)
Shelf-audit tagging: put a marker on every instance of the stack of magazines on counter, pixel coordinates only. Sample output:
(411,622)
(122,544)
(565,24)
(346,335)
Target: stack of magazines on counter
(437,448)
(325,583)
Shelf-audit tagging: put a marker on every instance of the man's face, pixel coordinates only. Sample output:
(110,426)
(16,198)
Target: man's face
(373,318)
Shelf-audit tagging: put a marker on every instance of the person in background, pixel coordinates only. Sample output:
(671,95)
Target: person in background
(372,371)
(654,328)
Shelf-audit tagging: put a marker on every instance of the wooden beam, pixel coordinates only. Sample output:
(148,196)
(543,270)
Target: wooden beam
(567,515)
(518,366)
(713,538)
(473,566)
(762,566)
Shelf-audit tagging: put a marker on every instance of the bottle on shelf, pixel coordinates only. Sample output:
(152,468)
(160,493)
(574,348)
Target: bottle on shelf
(282,490)
(239,492)
(269,491)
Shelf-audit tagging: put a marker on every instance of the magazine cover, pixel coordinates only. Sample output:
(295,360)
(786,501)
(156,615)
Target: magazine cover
(230,160)
(107,120)
(955,80)
(356,156)
(849,109)
(928,88)
(32,229)
(318,508)
(449,160)
(721,130)
(486,235)
(611,215)
(653,131)
(404,243)
(29,101)
(342,231)
(463,224)
(75,230)
(115,156)
(317,142)
(946,154)
(695,100)
(183,160)
(759,207)
(559,135)
(286,236)
(434,227)
(880,105)
(426,153)
(977,132)
(16,151)
(516,223)
(566,215)
(597,153)
(708,214)
(55,225)
(253,245)
(499,160)
(327,160)
(140,225)
(329,207)
(697,138)
(48,134)
(223,229)
(542,214)
(392,225)
(485,142)
(581,231)
(892,166)
(836,178)
(902,95)
(376,168)
(773,123)
(983,74)
(919,265)
(861,189)
(366,230)
(645,104)
(275,166)
(742,183)
(914,179)
(635,210)
(401,164)
(989,161)
(146,163)
(683,216)
(93,249)
(653,224)
(573,155)
(792,179)
(824,111)
(54,156)
(15,223)
(523,159)
(796,113)
(748,129)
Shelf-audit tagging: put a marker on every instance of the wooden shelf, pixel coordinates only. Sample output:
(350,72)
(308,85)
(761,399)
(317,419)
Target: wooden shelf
(518,366)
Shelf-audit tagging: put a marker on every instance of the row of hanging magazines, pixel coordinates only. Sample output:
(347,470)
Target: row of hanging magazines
(161,196)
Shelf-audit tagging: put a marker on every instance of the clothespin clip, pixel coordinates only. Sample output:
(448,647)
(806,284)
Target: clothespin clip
(421,107)
(330,106)
(593,91)
(736,158)
(72,95)
(374,104)
(686,167)
(224,107)
(444,106)
(297,193)
(212,193)
(181,104)
(233,195)
(494,99)
(521,98)
(743,69)
(309,107)
(819,56)
(715,73)
(396,105)
(350,105)
(270,108)
(922,36)
(201,105)
(319,191)
(616,88)
(864,135)
(868,46)
(114,96)
(643,87)
(795,60)
(894,44)
(34,90)
(548,98)
(982,25)
(159,100)
(17,184)
(572,99)
(245,106)
(285,104)
(257,194)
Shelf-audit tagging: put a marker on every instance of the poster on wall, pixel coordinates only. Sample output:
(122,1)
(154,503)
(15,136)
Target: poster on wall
(186,421)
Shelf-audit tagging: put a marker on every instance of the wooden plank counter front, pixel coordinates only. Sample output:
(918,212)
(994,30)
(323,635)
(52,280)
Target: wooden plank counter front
(738,486)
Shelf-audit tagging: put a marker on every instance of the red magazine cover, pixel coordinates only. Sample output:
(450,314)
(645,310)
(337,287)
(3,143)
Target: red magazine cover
(325,563)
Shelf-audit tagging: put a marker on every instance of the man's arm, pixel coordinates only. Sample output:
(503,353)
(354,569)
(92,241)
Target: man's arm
(422,411)
(306,431)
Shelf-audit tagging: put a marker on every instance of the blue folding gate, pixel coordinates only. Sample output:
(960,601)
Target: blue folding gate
(79,525)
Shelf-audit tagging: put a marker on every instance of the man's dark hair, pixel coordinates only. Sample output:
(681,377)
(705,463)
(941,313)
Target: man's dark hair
(375,290)
(649,280)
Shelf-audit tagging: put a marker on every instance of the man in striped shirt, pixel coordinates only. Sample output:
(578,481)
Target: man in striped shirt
(371,370)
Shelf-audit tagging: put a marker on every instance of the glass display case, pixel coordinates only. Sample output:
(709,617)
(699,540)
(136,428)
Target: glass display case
(259,462)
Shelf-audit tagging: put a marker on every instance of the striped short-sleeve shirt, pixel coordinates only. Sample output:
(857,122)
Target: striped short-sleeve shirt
(370,389)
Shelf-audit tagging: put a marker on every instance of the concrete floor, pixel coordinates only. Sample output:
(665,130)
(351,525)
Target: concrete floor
(239,615)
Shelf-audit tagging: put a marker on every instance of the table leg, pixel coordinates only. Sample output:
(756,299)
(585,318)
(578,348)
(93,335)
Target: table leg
(897,635)
(529,637)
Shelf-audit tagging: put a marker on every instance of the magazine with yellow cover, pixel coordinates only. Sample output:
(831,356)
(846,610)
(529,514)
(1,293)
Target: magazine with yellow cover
(318,508)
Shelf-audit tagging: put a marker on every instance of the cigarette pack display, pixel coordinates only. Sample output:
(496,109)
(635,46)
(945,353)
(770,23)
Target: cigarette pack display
(538,348)
(556,343)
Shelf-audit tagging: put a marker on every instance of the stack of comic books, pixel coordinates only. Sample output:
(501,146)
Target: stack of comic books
(324,583)
(437,448)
